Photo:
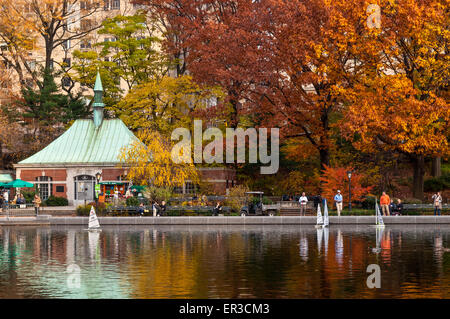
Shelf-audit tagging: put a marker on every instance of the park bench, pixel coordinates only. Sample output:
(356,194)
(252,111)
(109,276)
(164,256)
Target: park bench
(197,209)
(423,206)
(129,210)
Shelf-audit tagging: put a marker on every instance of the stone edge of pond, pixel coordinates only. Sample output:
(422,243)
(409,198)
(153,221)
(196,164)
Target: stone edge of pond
(222,220)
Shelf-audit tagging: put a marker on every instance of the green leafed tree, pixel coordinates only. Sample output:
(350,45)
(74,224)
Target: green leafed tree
(129,55)
(48,106)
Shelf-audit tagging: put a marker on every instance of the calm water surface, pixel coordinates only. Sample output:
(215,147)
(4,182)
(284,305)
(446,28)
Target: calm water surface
(225,262)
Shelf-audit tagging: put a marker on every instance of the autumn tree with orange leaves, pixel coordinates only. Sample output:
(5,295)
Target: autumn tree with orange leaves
(285,64)
(401,103)
(335,178)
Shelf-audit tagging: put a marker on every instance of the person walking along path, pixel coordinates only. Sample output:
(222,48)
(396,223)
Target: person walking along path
(384,203)
(338,200)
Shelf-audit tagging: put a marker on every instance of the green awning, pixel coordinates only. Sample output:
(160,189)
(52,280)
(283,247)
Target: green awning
(18,183)
(138,188)
(112,183)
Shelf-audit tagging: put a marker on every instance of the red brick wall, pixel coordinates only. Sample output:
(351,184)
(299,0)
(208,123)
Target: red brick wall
(59,194)
(57,175)
(111,174)
(218,173)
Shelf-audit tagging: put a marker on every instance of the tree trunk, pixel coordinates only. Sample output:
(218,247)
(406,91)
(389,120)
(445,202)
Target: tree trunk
(436,167)
(419,172)
(324,157)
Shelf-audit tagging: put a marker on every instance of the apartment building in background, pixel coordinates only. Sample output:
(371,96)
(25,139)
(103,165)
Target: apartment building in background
(86,16)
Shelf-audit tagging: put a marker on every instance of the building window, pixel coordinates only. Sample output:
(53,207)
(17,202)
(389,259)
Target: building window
(59,189)
(85,24)
(106,5)
(84,187)
(85,5)
(44,186)
(66,81)
(31,64)
(178,190)
(86,44)
(67,62)
(190,188)
(115,4)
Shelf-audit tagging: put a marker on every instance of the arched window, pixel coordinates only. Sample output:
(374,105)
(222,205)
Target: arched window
(44,186)
(84,187)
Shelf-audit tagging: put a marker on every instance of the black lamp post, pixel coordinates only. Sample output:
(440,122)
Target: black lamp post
(349,174)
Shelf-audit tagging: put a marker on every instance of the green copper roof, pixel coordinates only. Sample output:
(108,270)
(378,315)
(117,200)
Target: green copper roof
(98,83)
(84,143)
(5,178)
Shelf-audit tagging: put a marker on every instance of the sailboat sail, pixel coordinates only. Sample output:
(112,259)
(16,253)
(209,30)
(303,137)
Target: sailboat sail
(319,216)
(379,219)
(93,220)
(326,221)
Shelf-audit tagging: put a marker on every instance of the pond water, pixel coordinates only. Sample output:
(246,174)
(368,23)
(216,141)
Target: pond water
(224,262)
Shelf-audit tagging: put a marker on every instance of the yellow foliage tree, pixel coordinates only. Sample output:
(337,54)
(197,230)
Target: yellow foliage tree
(150,162)
(164,104)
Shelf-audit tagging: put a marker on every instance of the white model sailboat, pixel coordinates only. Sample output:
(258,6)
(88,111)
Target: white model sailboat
(378,218)
(93,221)
(326,221)
(319,223)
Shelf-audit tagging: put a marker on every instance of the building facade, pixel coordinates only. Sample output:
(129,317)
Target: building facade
(88,154)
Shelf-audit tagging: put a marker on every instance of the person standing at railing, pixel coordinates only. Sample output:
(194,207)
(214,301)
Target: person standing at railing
(338,201)
(303,201)
(437,203)
(384,203)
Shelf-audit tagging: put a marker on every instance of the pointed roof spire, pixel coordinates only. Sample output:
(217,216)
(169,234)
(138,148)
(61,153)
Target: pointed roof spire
(98,92)
(98,101)
(98,83)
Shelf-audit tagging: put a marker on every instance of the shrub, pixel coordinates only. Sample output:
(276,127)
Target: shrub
(236,197)
(412,201)
(368,202)
(434,184)
(84,210)
(29,196)
(132,201)
(56,201)
(158,194)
